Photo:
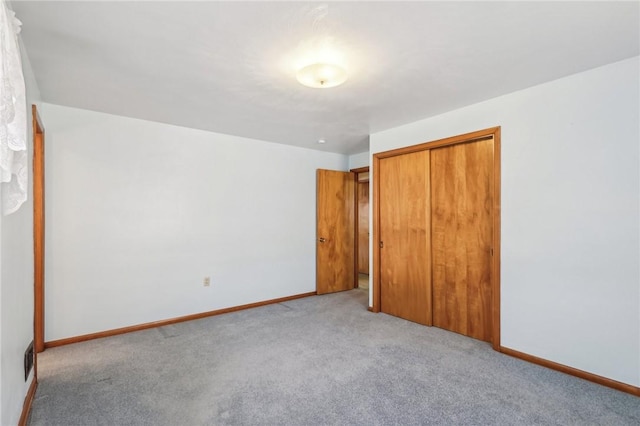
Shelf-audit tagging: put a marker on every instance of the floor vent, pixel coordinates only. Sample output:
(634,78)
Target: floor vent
(28,360)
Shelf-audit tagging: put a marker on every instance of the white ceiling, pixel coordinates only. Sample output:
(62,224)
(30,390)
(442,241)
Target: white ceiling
(229,67)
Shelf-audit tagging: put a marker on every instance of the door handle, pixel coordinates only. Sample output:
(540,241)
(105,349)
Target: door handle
(322,240)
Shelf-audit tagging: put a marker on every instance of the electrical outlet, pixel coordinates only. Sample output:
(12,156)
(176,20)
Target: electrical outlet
(206,282)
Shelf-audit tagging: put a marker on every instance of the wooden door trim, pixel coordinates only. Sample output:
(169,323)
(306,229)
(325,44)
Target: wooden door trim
(38,231)
(364,169)
(375,163)
(492,132)
(495,265)
(453,140)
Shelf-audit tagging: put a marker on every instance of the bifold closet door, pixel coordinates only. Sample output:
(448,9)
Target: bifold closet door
(405,264)
(461,237)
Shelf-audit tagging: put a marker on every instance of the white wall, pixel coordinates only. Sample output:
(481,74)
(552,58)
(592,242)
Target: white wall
(138,213)
(359,160)
(16,284)
(570,282)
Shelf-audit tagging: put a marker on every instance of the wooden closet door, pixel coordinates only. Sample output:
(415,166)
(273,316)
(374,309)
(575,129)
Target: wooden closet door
(461,232)
(405,264)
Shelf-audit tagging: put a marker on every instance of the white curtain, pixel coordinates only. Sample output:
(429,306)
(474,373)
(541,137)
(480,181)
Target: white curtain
(14,170)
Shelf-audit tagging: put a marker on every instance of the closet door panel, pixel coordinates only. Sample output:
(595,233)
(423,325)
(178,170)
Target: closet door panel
(461,229)
(405,264)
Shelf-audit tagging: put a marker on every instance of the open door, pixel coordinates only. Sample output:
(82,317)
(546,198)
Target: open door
(335,237)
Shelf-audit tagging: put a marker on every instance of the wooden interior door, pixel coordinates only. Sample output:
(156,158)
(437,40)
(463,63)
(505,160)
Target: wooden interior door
(335,222)
(461,232)
(363,227)
(404,231)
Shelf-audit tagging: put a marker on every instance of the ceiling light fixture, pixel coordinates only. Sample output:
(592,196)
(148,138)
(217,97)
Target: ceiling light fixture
(321,76)
(321,141)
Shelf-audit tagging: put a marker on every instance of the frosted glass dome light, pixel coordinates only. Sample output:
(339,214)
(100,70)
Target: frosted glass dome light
(322,76)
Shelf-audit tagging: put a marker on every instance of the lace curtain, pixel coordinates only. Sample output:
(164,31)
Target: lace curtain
(14,171)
